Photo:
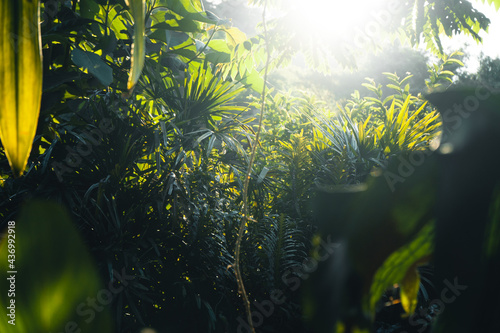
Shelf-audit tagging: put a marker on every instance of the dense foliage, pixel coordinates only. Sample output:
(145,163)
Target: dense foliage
(148,116)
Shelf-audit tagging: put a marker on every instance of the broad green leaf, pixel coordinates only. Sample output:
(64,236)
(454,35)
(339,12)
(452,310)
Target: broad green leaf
(20,79)
(218,57)
(183,7)
(94,64)
(219,45)
(396,267)
(182,25)
(54,275)
(254,81)
(188,52)
(191,9)
(117,22)
(88,9)
(138,46)
(235,36)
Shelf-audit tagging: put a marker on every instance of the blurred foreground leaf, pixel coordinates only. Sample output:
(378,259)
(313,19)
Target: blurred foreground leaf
(55,276)
(389,236)
(467,252)
(401,268)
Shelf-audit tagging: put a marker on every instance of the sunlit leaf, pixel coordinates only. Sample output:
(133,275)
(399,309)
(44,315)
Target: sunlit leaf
(235,36)
(409,290)
(254,80)
(138,46)
(20,79)
(191,9)
(400,267)
(219,45)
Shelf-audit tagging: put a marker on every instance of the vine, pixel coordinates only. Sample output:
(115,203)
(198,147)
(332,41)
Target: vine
(246,210)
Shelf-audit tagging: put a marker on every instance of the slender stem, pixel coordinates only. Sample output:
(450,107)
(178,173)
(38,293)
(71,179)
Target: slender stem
(246,210)
(204,46)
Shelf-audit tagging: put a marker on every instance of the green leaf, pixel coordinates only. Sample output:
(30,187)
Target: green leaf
(20,79)
(235,36)
(55,275)
(88,9)
(254,81)
(138,46)
(400,266)
(219,45)
(191,9)
(171,38)
(409,287)
(393,86)
(117,22)
(183,25)
(94,64)
(218,57)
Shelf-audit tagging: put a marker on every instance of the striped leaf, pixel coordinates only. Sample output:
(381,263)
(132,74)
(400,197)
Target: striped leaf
(138,47)
(20,79)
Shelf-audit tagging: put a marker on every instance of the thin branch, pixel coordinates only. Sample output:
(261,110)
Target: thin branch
(246,210)
(204,46)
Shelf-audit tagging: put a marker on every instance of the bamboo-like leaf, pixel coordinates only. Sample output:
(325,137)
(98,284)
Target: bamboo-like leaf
(138,46)
(20,79)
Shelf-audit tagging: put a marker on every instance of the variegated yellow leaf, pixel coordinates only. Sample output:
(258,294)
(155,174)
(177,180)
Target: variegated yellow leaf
(20,79)
(138,47)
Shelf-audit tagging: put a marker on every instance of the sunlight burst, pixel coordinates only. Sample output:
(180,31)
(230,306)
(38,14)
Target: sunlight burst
(338,18)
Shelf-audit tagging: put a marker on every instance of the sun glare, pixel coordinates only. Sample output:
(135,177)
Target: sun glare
(337,18)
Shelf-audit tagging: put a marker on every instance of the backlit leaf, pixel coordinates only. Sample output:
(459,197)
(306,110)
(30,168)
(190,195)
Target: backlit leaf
(138,46)
(235,36)
(20,79)
(400,267)
(409,290)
